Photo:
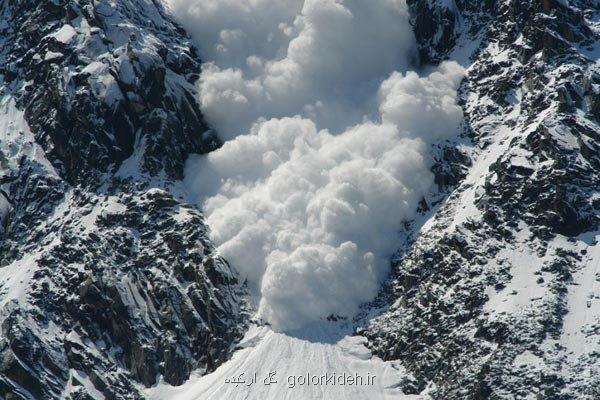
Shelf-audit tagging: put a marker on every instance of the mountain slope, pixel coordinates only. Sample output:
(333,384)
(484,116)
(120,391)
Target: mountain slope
(110,287)
(107,278)
(496,297)
(319,362)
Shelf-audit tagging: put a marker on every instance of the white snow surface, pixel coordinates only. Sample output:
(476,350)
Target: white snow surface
(16,140)
(65,34)
(580,326)
(301,362)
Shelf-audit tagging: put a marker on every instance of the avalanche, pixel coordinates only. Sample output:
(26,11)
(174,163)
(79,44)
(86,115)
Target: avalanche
(327,150)
(306,209)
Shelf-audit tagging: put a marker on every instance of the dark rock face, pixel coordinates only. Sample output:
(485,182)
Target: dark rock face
(126,78)
(486,302)
(438,26)
(132,278)
(108,280)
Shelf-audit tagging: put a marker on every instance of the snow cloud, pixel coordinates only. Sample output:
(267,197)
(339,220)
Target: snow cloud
(327,144)
(322,59)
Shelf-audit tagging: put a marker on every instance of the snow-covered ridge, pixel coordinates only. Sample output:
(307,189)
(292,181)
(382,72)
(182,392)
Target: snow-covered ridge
(111,288)
(107,281)
(97,80)
(488,300)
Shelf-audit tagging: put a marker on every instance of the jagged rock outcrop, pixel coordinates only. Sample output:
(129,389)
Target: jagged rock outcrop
(495,297)
(99,79)
(108,281)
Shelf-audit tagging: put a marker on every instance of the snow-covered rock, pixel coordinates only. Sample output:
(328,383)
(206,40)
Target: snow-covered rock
(494,297)
(108,281)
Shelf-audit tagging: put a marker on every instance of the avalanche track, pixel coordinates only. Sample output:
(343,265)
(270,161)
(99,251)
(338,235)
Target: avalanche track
(324,350)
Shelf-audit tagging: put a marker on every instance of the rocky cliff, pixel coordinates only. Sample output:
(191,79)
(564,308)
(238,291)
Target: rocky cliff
(496,295)
(108,281)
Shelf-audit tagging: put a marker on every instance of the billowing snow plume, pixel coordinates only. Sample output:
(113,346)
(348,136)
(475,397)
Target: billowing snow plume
(323,59)
(311,217)
(327,147)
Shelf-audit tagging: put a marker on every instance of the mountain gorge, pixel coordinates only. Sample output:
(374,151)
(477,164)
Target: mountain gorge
(110,283)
